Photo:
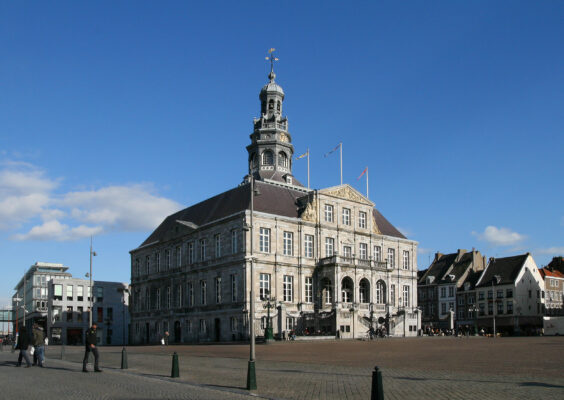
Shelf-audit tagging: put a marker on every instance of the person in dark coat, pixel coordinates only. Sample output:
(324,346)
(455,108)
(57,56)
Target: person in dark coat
(90,347)
(23,344)
(38,343)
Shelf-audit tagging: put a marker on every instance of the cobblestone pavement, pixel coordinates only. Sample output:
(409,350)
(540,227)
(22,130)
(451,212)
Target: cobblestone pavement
(437,368)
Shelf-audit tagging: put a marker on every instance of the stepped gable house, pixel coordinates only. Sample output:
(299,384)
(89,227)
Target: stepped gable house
(329,262)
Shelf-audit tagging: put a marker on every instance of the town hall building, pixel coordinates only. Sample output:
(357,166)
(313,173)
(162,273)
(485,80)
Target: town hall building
(324,262)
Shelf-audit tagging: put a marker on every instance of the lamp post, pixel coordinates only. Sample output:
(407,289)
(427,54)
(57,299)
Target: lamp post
(270,302)
(496,279)
(474,310)
(123,291)
(92,254)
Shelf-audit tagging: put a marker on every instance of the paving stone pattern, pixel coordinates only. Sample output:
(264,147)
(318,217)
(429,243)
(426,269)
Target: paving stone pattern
(341,370)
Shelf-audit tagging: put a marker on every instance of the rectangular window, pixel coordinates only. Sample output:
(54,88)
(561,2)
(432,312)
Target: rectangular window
(346,216)
(137,267)
(234,324)
(158,262)
(347,251)
(168,298)
(233,287)
(499,294)
(500,307)
(69,292)
(100,312)
(393,295)
(288,288)
(147,299)
(202,249)
(80,293)
(288,244)
(290,323)
(406,296)
(490,294)
(308,289)
(264,290)
(99,294)
(234,246)
(203,326)
(203,293)
(158,299)
(328,213)
(363,248)
(264,242)
(451,291)
(481,296)
(69,313)
(80,311)
(308,246)
(460,300)
(147,265)
(179,294)
(178,256)
(110,313)
(190,252)
(362,220)
(443,308)
(58,292)
(509,307)
(490,308)
(218,290)
(443,292)
(189,326)
(405,259)
(190,294)
(217,240)
(377,253)
(391,258)
(329,246)
(167,259)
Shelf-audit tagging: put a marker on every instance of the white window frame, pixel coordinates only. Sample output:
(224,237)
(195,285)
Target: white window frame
(308,289)
(363,251)
(406,259)
(391,257)
(328,213)
(362,219)
(288,288)
(203,292)
(264,240)
(378,253)
(329,247)
(217,240)
(264,285)
(308,246)
(288,243)
(218,290)
(346,216)
(234,245)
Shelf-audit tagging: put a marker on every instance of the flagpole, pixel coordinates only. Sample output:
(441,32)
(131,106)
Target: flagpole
(367,196)
(341,152)
(308,167)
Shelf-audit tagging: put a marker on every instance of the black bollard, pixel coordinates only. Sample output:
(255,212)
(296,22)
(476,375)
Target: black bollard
(251,376)
(123,358)
(62,351)
(377,386)
(174,373)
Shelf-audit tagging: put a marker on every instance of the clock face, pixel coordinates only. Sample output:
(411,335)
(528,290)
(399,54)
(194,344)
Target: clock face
(283,137)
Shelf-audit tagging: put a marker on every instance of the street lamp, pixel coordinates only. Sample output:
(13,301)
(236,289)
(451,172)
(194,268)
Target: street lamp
(270,302)
(474,310)
(92,254)
(496,279)
(123,291)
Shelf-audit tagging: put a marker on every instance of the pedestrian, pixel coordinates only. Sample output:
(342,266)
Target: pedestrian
(166,336)
(90,347)
(23,344)
(38,343)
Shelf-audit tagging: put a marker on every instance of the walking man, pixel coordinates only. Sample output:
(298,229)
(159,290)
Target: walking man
(38,343)
(90,346)
(23,344)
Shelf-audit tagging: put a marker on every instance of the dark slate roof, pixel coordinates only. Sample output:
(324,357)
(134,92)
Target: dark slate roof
(385,226)
(472,279)
(439,267)
(507,268)
(272,199)
(459,268)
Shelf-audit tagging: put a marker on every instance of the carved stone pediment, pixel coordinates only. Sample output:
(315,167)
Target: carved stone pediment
(375,228)
(310,211)
(348,193)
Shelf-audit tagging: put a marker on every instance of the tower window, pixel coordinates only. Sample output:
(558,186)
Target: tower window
(271,104)
(267,158)
(278,105)
(283,160)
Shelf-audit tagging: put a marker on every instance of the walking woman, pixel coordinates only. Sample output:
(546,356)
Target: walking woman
(23,344)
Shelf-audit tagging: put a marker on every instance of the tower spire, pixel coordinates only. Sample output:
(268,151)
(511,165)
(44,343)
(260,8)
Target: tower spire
(272,58)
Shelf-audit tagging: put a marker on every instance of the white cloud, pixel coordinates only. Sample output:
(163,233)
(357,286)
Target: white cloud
(499,236)
(26,195)
(54,230)
(554,251)
(423,250)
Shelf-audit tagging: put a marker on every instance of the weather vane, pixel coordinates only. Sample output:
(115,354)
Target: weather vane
(272,58)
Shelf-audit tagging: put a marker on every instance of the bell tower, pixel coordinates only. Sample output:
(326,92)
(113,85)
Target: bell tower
(271,149)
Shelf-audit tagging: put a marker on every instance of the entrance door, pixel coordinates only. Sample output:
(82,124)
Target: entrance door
(217,329)
(177,332)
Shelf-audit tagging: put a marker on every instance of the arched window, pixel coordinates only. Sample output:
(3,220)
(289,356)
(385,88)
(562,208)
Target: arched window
(271,104)
(283,159)
(327,291)
(380,292)
(347,290)
(267,158)
(278,106)
(364,291)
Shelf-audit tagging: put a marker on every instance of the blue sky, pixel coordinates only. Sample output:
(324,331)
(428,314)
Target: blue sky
(116,114)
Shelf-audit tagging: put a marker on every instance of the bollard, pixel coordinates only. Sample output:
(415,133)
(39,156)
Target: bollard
(62,351)
(251,377)
(174,373)
(123,358)
(377,386)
